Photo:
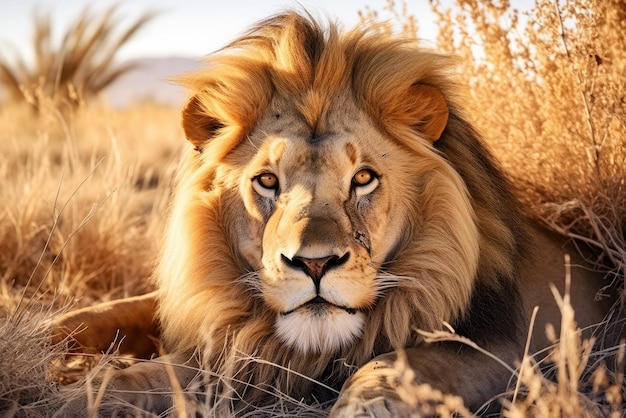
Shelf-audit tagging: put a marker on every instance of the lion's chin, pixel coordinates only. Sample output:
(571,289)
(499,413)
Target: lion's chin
(319,329)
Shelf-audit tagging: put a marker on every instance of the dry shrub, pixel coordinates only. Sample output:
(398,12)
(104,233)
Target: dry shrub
(27,385)
(78,67)
(546,89)
(394,14)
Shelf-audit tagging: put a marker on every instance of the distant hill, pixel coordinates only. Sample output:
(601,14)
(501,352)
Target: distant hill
(149,82)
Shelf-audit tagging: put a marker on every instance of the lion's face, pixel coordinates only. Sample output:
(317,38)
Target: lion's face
(322,222)
(320,216)
(333,202)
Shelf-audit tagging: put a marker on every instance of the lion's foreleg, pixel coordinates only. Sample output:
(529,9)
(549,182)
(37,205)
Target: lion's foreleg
(418,380)
(130,323)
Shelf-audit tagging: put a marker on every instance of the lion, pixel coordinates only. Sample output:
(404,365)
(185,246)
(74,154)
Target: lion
(333,201)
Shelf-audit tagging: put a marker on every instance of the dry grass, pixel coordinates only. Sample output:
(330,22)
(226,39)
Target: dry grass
(84,194)
(83,197)
(26,383)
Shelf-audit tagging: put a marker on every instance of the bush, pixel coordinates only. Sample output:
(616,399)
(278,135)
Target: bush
(79,67)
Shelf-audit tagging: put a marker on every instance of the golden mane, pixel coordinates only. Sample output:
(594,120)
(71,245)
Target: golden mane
(204,301)
(292,56)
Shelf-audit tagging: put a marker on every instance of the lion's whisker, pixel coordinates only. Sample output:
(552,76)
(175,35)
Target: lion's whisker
(251,280)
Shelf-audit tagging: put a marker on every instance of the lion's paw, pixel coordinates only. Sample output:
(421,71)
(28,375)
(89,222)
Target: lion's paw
(373,408)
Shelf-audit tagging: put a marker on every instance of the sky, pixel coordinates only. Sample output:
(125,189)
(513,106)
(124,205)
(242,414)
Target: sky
(192,28)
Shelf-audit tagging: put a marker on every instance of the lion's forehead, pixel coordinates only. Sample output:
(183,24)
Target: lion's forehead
(335,156)
(336,141)
(294,148)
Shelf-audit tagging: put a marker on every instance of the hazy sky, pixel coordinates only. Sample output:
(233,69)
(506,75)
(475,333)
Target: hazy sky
(184,27)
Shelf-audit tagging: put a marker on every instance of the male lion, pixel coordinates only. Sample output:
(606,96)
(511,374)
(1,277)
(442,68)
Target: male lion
(333,201)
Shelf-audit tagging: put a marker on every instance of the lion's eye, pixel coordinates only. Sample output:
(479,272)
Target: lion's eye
(265,184)
(363,177)
(267,180)
(364,182)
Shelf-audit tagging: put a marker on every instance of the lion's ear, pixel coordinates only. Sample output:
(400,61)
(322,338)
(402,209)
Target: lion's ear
(427,111)
(199,126)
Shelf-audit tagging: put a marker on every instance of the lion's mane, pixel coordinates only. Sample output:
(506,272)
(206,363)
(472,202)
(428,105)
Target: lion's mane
(205,302)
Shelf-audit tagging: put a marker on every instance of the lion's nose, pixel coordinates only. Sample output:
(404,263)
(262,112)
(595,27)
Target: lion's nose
(315,268)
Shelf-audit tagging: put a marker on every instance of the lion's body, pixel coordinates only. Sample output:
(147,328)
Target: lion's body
(338,201)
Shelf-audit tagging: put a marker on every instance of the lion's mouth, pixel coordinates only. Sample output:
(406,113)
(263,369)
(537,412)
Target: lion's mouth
(320,305)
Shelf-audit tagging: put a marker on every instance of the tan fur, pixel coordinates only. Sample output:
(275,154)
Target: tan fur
(439,239)
(125,325)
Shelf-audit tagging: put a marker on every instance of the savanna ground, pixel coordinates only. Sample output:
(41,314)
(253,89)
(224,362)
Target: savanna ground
(84,189)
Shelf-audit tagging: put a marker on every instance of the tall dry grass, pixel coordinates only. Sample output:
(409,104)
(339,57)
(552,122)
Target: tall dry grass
(546,87)
(83,197)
